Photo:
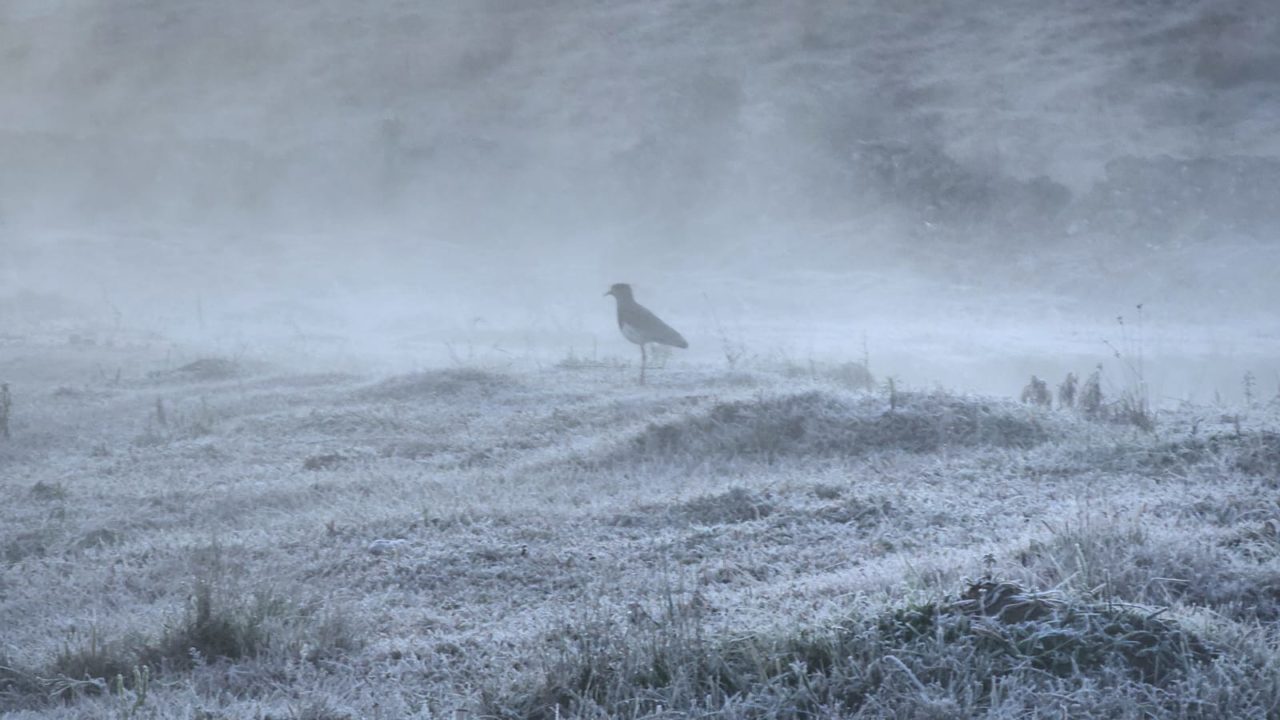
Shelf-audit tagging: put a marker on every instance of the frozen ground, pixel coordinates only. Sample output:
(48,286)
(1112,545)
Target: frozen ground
(502,537)
(318,411)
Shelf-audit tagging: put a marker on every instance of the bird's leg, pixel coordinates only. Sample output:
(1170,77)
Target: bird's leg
(643,359)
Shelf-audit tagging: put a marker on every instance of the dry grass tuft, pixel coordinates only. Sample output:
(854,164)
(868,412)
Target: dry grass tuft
(87,663)
(214,630)
(19,688)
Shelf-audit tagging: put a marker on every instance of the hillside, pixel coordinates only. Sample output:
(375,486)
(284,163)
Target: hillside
(560,117)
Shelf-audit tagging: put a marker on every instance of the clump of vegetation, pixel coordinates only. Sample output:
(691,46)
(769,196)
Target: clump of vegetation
(1067,391)
(214,629)
(325,461)
(1091,401)
(100,537)
(30,543)
(167,423)
(1134,405)
(904,661)
(821,424)
(1057,637)
(86,664)
(1254,453)
(209,369)
(1037,393)
(736,505)
(48,490)
(439,384)
(210,632)
(1257,453)
(19,688)
(862,512)
(1132,409)
(1260,542)
(1136,565)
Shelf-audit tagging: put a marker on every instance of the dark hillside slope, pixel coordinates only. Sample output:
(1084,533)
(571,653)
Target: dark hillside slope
(566,113)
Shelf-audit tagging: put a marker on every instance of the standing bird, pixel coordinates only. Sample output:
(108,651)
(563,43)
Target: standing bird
(641,326)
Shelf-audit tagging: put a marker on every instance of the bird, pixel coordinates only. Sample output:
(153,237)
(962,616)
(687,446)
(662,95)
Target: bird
(641,326)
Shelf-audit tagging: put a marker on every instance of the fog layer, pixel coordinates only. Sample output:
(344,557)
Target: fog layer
(797,176)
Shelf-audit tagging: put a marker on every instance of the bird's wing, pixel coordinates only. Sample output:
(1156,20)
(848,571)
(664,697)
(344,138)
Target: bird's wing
(639,317)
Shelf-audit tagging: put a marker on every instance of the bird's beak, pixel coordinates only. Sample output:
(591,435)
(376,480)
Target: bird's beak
(607,294)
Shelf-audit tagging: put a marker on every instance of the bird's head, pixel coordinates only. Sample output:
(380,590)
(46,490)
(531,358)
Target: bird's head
(622,291)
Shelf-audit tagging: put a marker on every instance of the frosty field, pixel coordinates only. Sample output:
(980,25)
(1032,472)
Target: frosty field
(312,406)
(550,539)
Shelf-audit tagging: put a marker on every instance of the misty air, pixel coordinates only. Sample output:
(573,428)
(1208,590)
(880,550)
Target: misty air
(622,359)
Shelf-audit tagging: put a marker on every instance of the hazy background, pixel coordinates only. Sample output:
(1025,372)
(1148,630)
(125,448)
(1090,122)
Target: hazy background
(965,190)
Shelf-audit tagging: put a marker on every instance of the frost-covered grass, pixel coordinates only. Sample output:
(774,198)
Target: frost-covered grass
(241,540)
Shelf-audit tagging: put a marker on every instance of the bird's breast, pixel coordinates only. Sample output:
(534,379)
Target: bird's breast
(631,333)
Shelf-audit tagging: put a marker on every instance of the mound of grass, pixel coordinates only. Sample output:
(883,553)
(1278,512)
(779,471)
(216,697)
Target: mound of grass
(325,461)
(861,512)
(954,658)
(48,491)
(101,537)
(1015,629)
(736,505)
(824,424)
(209,369)
(435,384)
(1252,453)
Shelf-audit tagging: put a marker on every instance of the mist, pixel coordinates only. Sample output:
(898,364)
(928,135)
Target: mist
(957,193)
(540,359)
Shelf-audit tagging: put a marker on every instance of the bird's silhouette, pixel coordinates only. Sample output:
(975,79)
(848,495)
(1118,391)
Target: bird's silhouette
(641,326)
